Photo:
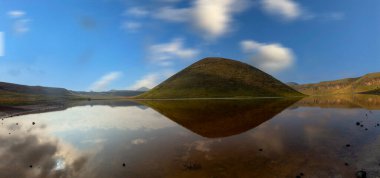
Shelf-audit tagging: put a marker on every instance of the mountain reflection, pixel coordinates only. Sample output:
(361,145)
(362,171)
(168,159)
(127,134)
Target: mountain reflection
(220,118)
(342,101)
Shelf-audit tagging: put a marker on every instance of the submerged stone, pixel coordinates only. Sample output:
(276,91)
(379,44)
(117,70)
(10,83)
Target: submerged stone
(361,174)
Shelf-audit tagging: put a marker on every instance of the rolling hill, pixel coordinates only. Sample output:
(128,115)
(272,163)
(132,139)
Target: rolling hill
(367,84)
(220,78)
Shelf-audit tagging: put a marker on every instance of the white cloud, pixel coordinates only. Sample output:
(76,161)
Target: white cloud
(136,11)
(268,57)
(16,14)
(130,26)
(2,44)
(212,17)
(164,53)
(286,9)
(139,141)
(151,80)
(174,14)
(104,81)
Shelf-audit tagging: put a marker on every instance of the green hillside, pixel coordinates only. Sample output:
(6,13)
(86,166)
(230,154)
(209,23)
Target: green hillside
(369,83)
(220,78)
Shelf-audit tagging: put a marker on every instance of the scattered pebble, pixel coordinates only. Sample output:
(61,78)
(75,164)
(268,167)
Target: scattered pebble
(361,125)
(260,149)
(123,164)
(301,174)
(192,166)
(31,166)
(348,145)
(33,123)
(357,123)
(365,129)
(16,123)
(361,174)
(346,164)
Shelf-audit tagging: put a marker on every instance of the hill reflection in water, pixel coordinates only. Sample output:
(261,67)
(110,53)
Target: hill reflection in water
(220,118)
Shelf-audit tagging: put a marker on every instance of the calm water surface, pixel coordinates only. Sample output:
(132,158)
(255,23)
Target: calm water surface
(319,137)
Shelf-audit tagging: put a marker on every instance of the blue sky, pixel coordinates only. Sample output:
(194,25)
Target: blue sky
(120,44)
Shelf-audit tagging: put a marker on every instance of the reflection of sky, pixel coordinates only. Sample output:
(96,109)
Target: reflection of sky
(95,142)
(88,125)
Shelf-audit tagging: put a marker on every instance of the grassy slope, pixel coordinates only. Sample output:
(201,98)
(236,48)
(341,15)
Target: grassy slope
(344,86)
(219,77)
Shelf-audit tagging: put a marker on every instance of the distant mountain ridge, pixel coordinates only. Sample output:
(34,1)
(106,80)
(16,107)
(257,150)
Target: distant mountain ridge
(369,83)
(214,77)
(16,94)
(37,90)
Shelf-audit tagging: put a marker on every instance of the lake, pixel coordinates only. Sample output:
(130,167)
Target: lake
(333,136)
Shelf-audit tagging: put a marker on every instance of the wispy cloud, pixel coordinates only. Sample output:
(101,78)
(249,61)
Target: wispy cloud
(173,14)
(136,11)
(271,58)
(104,81)
(20,21)
(131,26)
(21,26)
(151,80)
(16,13)
(164,54)
(285,9)
(2,44)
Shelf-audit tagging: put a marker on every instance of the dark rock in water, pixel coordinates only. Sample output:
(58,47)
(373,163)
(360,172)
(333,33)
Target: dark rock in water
(298,176)
(361,125)
(301,174)
(260,149)
(361,174)
(346,164)
(33,123)
(348,145)
(123,164)
(378,124)
(31,166)
(192,166)
(357,123)
(365,129)
(16,123)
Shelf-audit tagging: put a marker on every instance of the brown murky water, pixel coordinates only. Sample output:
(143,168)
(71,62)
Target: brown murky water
(318,137)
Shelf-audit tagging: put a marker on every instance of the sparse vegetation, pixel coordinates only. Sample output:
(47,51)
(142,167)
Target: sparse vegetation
(220,78)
